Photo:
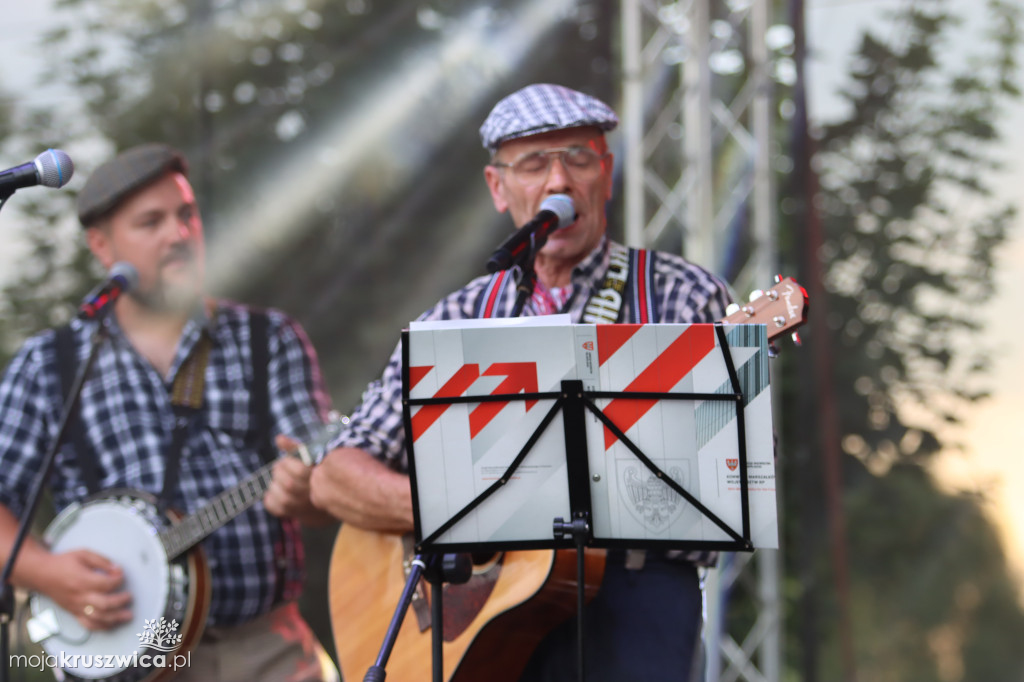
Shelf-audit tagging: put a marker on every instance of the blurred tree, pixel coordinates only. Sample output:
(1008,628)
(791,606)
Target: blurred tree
(912,228)
(906,231)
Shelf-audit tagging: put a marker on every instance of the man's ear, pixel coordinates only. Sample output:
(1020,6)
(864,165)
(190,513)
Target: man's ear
(493,177)
(610,176)
(97,238)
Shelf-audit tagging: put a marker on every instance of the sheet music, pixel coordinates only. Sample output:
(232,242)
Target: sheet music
(460,449)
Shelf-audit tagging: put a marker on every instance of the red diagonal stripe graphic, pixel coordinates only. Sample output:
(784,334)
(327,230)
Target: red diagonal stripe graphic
(417,373)
(660,376)
(519,376)
(610,338)
(456,386)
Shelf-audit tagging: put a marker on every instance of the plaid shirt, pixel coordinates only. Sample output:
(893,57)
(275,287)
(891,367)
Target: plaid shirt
(686,293)
(128,417)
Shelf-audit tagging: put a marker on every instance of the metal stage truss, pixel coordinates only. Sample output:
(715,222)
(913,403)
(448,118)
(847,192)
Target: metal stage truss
(697,114)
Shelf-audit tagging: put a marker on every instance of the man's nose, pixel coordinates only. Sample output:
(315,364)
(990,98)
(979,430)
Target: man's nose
(558,176)
(182,228)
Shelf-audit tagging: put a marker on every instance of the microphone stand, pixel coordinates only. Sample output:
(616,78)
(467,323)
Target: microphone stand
(35,494)
(5,194)
(437,569)
(527,275)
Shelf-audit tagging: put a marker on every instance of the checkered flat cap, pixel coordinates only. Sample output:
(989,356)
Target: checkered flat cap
(540,108)
(117,179)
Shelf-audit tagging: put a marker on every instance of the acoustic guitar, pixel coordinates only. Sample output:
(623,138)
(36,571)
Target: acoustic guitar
(513,600)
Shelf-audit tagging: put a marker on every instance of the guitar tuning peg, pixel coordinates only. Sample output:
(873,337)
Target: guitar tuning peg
(773,350)
(756,294)
(732,308)
(796,339)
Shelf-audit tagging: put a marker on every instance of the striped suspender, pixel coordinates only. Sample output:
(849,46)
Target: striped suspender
(485,308)
(640,287)
(630,276)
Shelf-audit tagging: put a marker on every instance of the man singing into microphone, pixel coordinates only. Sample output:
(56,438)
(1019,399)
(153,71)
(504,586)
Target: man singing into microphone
(183,402)
(547,140)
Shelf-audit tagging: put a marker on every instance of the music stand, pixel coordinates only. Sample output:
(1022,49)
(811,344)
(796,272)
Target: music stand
(574,399)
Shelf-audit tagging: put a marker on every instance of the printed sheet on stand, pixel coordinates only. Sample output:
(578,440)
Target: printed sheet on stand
(461,449)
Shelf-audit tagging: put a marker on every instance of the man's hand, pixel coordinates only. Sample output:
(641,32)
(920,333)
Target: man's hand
(89,587)
(358,489)
(288,494)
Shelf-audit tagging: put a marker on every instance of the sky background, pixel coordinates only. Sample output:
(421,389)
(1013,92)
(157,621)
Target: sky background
(992,463)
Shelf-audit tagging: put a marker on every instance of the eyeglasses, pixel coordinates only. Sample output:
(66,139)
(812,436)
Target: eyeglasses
(532,168)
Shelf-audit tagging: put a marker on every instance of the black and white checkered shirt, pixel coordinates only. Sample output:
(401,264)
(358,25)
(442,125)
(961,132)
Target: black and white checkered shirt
(126,410)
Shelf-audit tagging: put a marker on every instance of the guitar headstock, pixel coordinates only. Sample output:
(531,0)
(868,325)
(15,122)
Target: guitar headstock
(781,309)
(312,452)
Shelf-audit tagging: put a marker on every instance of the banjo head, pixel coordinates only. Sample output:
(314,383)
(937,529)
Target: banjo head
(125,529)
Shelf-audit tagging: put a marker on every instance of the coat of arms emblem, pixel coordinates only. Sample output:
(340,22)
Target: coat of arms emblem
(650,499)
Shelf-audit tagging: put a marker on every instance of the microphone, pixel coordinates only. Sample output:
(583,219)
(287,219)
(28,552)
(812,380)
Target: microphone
(556,211)
(123,277)
(52,168)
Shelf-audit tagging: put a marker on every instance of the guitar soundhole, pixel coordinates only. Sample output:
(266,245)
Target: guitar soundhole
(482,559)
(467,599)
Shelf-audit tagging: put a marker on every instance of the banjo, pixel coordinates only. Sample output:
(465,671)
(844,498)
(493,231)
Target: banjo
(165,571)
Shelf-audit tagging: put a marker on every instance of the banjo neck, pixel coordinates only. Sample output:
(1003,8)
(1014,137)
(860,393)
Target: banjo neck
(192,529)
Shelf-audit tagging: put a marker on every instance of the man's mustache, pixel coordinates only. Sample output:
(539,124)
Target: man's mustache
(179,252)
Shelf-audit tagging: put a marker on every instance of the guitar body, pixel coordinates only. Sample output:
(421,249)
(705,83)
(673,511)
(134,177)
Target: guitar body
(492,623)
(123,526)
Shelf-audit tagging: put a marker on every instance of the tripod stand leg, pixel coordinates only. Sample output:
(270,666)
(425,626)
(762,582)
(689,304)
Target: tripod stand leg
(580,599)
(579,528)
(377,672)
(437,629)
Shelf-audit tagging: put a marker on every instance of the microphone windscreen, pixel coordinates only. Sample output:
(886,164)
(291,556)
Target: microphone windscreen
(561,205)
(127,273)
(55,168)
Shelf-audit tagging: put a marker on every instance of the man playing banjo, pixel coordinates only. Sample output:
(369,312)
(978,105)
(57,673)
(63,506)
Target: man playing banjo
(182,403)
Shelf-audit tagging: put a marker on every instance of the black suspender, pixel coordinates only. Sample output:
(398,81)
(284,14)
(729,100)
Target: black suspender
(259,392)
(67,365)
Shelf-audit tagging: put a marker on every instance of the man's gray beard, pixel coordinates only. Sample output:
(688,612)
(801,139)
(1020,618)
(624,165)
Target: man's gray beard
(165,299)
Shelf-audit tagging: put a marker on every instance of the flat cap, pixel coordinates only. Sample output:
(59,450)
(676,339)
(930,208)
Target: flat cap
(117,179)
(540,108)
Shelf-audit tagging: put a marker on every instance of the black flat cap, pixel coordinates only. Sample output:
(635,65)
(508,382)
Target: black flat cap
(122,176)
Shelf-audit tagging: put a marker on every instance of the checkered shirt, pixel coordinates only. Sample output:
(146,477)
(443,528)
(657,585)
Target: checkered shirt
(126,409)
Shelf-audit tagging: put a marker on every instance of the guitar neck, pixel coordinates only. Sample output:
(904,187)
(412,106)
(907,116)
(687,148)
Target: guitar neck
(192,529)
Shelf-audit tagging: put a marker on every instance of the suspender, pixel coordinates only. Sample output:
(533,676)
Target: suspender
(67,365)
(259,412)
(485,306)
(259,391)
(640,287)
(630,276)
